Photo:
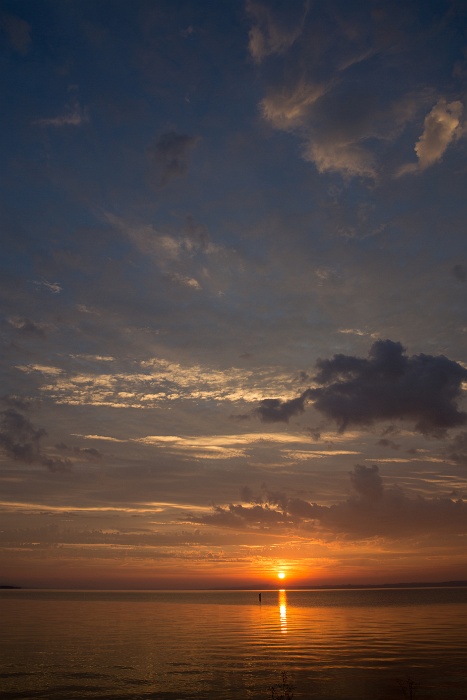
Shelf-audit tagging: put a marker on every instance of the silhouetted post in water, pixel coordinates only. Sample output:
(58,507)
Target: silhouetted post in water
(259,597)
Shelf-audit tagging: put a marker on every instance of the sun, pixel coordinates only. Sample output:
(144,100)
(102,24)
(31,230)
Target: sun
(281,574)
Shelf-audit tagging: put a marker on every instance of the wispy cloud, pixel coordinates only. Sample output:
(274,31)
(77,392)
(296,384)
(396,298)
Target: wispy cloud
(73,115)
(41,369)
(290,108)
(53,287)
(273,31)
(157,380)
(219,446)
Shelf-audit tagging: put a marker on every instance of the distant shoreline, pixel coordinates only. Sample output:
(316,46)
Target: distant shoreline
(352,586)
(329,587)
(15,588)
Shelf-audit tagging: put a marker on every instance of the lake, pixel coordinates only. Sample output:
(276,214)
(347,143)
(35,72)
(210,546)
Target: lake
(225,645)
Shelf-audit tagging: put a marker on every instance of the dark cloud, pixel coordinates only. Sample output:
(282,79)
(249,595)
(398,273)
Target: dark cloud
(367,482)
(171,154)
(258,517)
(388,385)
(21,441)
(266,497)
(266,510)
(457,452)
(299,508)
(276,410)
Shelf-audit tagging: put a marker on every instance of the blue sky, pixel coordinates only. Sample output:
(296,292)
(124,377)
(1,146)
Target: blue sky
(233,287)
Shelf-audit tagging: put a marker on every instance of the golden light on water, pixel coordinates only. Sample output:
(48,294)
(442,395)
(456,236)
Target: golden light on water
(283,611)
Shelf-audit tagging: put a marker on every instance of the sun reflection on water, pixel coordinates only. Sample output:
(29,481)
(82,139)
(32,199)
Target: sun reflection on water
(283,610)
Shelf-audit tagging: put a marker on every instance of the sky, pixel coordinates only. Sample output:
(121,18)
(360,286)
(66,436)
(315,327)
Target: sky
(233,293)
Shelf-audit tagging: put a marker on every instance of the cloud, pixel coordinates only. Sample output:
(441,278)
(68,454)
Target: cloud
(219,446)
(173,253)
(99,437)
(258,517)
(26,326)
(375,511)
(276,410)
(94,358)
(42,369)
(352,331)
(171,154)
(335,122)
(367,482)
(289,108)
(330,83)
(370,511)
(265,497)
(274,32)
(53,287)
(388,385)
(457,451)
(351,125)
(89,453)
(156,380)
(442,126)
(345,157)
(18,32)
(74,115)
(185,281)
(20,441)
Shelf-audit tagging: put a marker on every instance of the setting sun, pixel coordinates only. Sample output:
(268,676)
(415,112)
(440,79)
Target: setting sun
(281,574)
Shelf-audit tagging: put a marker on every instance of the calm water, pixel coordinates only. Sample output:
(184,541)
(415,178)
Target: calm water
(351,645)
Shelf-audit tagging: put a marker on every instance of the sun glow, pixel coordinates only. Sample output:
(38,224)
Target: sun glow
(281,574)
